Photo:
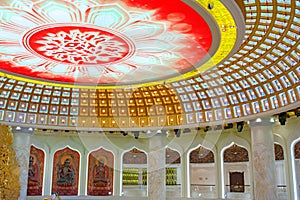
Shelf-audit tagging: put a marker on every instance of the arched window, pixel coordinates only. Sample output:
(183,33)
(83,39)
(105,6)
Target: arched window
(134,176)
(66,172)
(236,172)
(35,172)
(100,173)
(202,173)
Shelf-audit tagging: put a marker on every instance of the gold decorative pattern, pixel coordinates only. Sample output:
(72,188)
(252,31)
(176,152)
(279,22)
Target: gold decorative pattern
(9,171)
(236,153)
(172,157)
(134,156)
(278,152)
(202,155)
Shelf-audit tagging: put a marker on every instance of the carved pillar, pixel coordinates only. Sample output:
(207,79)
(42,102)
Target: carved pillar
(184,176)
(117,174)
(263,159)
(220,189)
(83,174)
(156,169)
(21,146)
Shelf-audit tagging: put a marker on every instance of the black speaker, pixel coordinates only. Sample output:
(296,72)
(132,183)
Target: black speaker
(124,133)
(240,126)
(282,118)
(177,132)
(136,134)
(207,128)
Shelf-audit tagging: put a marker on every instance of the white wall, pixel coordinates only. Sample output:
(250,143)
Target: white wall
(202,174)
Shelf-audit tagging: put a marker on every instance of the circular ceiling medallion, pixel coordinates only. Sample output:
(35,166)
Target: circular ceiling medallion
(104,44)
(78,45)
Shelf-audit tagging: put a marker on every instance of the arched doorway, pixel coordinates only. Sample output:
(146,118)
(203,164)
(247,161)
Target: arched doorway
(35,172)
(202,173)
(236,172)
(173,173)
(66,172)
(134,173)
(296,173)
(100,173)
(280,172)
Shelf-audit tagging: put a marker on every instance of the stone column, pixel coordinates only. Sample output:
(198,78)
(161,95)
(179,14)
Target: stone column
(156,169)
(117,175)
(220,190)
(263,159)
(83,174)
(48,176)
(21,146)
(184,176)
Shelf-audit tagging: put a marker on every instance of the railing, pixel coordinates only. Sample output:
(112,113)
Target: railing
(238,192)
(134,190)
(282,192)
(203,191)
(173,190)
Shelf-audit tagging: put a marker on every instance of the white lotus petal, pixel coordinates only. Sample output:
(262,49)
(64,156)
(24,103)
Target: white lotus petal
(9,36)
(12,50)
(57,11)
(27,60)
(123,67)
(152,46)
(143,60)
(141,30)
(141,16)
(84,4)
(109,16)
(59,68)
(17,20)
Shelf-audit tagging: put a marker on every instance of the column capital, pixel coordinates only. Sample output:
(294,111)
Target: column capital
(268,121)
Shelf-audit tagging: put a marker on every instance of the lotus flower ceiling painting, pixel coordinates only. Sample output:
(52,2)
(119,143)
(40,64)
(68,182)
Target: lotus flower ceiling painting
(101,42)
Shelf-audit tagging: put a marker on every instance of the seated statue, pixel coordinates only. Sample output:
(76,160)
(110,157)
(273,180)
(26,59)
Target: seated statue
(32,172)
(65,173)
(100,174)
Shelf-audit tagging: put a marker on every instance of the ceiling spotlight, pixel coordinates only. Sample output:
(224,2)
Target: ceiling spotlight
(207,128)
(240,126)
(177,132)
(282,118)
(136,134)
(124,133)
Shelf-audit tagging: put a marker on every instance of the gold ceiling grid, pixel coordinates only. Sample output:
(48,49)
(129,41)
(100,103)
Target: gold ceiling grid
(263,75)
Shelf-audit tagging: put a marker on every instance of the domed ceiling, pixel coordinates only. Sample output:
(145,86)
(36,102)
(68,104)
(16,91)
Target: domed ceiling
(111,64)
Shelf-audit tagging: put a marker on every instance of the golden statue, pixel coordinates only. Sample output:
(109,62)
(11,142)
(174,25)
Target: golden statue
(9,171)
